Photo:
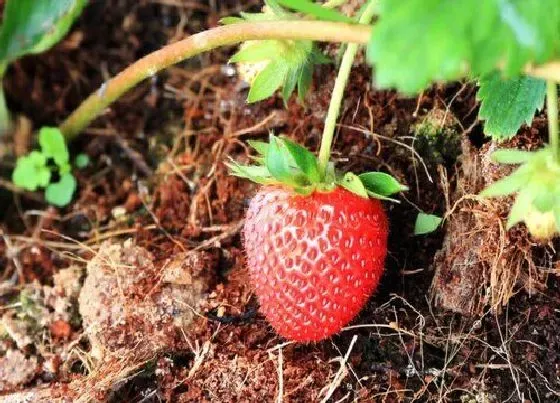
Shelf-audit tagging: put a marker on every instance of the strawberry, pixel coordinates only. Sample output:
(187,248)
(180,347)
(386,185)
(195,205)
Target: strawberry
(314,260)
(315,243)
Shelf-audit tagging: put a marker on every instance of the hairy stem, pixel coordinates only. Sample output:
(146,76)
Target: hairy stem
(552,112)
(110,91)
(338,93)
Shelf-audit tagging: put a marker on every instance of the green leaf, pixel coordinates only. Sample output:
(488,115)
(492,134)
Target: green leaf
(353,183)
(82,160)
(426,223)
(518,212)
(381,183)
(508,185)
(512,156)
(278,162)
(31,171)
(290,84)
(61,192)
(304,81)
(260,146)
(544,201)
(33,26)
(267,81)
(255,51)
(53,145)
(316,10)
(416,42)
(256,173)
(304,159)
(508,103)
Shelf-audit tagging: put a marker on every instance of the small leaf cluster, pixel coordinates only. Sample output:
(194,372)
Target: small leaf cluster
(35,170)
(417,42)
(269,65)
(283,162)
(538,190)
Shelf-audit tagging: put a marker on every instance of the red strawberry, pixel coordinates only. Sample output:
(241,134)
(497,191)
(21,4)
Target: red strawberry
(314,260)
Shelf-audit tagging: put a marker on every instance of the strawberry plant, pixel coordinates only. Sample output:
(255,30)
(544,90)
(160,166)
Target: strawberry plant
(31,26)
(316,238)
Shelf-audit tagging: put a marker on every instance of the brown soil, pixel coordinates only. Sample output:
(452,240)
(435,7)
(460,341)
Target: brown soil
(164,310)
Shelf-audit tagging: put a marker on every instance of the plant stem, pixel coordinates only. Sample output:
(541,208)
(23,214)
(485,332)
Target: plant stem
(96,103)
(338,93)
(552,114)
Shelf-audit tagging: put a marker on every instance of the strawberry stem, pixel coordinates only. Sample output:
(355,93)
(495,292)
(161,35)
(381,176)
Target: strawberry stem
(338,93)
(201,42)
(552,111)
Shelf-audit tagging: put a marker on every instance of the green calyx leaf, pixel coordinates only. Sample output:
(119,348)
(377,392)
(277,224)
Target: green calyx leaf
(61,192)
(508,103)
(381,183)
(269,65)
(278,161)
(426,223)
(31,171)
(353,183)
(538,190)
(267,81)
(283,162)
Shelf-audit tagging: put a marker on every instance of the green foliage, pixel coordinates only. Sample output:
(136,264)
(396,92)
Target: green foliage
(60,193)
(416,42)
(508,103)
(31,171)
(426,223)
(269,65)
(281,161)
(537,187)
(34,170)
(313,9)
(33,26)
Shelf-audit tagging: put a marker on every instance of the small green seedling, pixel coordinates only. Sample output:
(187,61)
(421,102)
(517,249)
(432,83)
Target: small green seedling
(35,170)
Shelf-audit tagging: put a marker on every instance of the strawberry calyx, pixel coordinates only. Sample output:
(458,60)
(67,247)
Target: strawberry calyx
(283,162)
(267,65)
(538,190)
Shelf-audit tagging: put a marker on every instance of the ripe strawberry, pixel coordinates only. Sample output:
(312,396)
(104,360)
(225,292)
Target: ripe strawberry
(314,260)
(315,241)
